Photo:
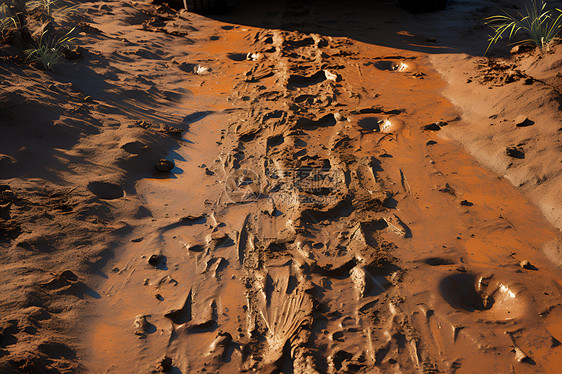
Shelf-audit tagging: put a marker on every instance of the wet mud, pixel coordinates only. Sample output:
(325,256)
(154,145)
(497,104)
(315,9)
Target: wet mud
(314,223)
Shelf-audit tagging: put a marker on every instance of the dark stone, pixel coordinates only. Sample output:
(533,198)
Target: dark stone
(164,165)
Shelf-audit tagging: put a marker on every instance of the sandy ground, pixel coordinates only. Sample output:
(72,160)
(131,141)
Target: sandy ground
(316,218)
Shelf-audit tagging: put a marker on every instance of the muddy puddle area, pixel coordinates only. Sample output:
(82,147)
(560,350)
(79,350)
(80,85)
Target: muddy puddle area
(316,221)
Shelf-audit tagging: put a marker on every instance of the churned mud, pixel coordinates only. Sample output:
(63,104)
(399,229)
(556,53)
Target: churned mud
(315,219)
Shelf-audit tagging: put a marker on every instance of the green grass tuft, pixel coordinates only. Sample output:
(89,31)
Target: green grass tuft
(50,49)
(541,26)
